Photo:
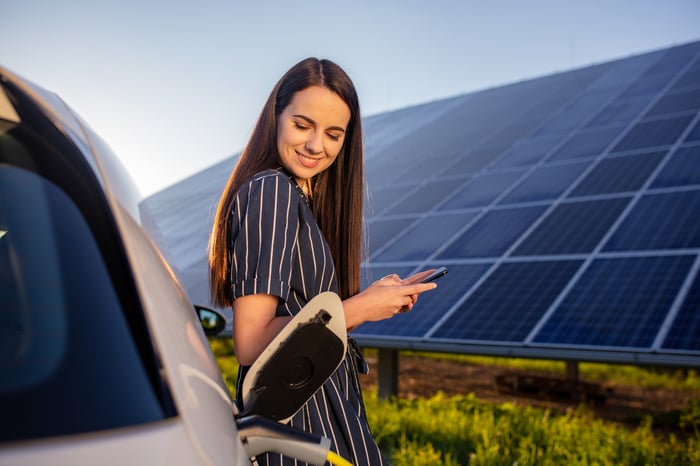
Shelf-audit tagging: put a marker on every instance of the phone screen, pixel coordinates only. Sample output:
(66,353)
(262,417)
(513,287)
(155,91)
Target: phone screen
(435,275)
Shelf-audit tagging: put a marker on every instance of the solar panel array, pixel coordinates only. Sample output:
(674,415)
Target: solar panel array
(567,209)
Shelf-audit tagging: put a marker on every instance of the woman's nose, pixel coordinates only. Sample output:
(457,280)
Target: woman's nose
(315,143)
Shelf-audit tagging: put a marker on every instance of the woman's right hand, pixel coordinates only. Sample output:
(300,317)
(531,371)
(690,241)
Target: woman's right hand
(384,299)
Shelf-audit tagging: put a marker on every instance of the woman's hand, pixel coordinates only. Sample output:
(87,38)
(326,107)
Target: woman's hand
(385,298)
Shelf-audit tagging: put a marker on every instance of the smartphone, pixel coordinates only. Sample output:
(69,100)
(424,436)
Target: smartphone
(435,275)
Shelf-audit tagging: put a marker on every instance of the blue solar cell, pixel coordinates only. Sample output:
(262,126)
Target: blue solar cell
(677,102)
(618,174)
(382,231)
(572,228)
(684,333)
(526,152)
(682,169)
(509,302)
(660,221)
(492,234)
(617,302)
(546,182)
(662,132)
(481,191)
(587,143)
(430,307)
(427,196)
(618,112)
(426,237)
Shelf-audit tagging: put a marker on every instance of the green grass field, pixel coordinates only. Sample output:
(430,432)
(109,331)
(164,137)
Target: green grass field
(462,430)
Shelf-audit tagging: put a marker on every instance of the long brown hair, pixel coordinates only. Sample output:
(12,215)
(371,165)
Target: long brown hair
(338,190)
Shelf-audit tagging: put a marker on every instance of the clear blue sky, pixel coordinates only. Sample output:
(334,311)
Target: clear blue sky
(174,87)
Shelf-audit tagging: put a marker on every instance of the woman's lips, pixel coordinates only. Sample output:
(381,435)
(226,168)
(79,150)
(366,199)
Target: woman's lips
(307,162)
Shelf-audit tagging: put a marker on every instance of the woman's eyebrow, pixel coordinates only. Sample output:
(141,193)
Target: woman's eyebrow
(312,122)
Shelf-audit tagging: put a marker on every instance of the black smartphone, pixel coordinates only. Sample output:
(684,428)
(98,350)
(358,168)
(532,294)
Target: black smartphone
(435,275)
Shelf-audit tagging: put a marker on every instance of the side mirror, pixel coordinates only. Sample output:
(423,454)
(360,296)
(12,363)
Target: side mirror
(212,322)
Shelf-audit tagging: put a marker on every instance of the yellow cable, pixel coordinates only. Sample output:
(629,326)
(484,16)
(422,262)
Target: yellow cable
(333,458)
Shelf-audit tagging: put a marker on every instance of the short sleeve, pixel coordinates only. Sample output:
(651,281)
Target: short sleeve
(265,224)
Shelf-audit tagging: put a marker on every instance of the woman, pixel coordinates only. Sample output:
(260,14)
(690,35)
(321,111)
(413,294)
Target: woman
(289,226)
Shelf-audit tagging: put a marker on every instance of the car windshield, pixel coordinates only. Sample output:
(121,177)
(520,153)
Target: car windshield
(70,359)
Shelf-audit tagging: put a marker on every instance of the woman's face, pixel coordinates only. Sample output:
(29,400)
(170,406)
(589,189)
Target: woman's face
(311,131)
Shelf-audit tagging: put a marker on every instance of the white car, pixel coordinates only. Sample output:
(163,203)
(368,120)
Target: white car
(103,359)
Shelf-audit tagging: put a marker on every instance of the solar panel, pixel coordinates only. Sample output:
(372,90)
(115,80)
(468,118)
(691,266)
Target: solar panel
(617,302)
(566,207)
(506,306)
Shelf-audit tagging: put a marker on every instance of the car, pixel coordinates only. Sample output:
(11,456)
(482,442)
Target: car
(104,359)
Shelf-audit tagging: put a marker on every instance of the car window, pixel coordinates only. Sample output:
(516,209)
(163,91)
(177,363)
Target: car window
(70,359)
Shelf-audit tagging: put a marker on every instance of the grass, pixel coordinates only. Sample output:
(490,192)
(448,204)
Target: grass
(463,430)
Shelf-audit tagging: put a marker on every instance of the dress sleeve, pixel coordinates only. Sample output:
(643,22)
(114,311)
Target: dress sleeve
(263,239)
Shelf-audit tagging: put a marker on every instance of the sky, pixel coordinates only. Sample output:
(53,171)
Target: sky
(174,87)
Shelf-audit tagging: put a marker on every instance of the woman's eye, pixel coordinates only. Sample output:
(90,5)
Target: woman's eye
(300,126)
(333,137)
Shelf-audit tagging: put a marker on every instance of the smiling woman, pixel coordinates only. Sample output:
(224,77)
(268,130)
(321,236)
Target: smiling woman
(288,229)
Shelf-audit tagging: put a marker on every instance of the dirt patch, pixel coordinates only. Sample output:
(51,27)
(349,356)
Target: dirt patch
(424,377)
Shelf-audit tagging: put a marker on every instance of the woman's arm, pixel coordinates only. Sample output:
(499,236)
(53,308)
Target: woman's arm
(255,325)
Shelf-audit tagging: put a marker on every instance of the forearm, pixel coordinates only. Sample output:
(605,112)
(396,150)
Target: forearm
(354,312)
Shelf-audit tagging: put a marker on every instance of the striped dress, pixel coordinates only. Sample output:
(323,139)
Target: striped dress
(277,248)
